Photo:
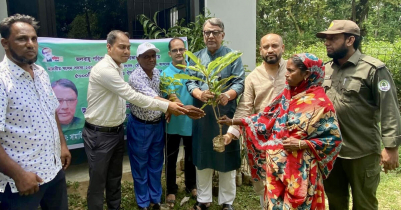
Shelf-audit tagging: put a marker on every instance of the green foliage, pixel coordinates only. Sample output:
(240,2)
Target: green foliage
(90,19)
(169,85)
(297,21)
(383,21)
(211,73)
(192,30)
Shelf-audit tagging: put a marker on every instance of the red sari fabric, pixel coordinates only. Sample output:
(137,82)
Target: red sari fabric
(295,180)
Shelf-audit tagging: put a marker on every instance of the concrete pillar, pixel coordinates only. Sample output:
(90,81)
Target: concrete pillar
(239,19)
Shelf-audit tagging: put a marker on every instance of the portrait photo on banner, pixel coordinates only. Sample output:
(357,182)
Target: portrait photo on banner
(68,63)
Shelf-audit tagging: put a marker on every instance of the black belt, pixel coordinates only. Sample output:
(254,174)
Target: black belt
(104,129)
(146,121)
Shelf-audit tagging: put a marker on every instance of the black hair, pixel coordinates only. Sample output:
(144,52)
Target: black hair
(6,23)
(112,36)
(299,63)
(175,38)
(65,83)
(357,41)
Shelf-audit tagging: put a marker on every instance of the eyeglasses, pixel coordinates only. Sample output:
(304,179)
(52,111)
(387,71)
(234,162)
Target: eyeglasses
(215,33)
(179,49)
(69,101)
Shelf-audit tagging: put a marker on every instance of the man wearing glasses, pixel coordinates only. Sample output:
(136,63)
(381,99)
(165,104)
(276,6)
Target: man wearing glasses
(204,130)
(67,95)
(179,126)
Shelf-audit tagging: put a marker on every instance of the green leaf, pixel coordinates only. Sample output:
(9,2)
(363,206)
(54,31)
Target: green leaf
(155,16)
(194,68)
(157,34)
(195,59)
(212,65)
(227,60)
(188,77)
(224,81)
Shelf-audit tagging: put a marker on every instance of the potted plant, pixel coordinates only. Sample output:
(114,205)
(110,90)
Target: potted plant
(215,85)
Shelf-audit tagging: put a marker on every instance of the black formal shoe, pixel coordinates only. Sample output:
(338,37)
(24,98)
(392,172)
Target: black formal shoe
(143,208)
(156,206)
(227,207)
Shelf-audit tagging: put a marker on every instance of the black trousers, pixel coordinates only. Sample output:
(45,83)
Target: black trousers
(173,145)
(105,157)
(51,196)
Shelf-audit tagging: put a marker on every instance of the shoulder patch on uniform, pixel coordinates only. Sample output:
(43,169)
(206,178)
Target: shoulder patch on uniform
(373,61)
(384,85)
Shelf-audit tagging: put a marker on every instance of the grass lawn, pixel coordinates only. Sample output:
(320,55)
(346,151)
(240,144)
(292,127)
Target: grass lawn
(388,194)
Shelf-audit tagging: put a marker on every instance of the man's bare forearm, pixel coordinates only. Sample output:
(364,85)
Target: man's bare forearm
(173,98)
(60,131)
(8,166)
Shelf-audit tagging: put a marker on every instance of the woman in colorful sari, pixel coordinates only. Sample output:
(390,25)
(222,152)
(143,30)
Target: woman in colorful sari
(299,132)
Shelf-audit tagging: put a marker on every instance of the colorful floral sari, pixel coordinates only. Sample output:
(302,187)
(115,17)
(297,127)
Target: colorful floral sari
(295,180)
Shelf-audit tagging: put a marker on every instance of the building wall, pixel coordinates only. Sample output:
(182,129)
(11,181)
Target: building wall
(239,19)
(3,14)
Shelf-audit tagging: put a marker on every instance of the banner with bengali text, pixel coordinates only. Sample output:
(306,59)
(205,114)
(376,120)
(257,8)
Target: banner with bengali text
(68,63)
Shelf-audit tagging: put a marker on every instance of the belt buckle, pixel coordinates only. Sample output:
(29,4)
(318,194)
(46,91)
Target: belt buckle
(118,128)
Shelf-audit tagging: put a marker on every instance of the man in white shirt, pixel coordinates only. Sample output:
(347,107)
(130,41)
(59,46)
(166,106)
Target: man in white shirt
(33,150)
(103,133)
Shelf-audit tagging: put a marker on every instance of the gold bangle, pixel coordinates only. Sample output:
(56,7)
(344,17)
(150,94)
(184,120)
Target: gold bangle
(299,144)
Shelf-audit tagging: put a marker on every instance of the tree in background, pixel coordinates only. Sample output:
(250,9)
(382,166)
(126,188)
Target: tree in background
(299,20)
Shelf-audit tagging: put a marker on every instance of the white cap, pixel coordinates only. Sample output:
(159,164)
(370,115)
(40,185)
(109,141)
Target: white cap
(142,48)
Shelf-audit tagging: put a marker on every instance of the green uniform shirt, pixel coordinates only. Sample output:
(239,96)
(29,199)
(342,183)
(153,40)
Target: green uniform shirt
(363,94)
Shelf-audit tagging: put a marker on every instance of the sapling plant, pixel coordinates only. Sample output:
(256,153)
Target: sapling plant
(215,84)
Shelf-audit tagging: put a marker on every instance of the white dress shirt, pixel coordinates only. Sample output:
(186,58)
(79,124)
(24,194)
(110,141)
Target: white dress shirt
(108,93)
(28,128)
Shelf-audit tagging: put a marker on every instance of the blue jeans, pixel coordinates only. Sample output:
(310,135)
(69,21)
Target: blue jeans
(145,150)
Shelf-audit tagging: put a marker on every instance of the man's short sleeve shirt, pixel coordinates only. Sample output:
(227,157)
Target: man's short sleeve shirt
(28,128)
(141,82)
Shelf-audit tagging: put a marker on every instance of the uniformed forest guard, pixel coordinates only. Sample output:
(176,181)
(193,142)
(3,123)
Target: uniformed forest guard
(365,98)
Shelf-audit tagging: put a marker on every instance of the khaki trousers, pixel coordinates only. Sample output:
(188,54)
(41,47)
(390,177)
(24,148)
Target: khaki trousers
(362,175)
